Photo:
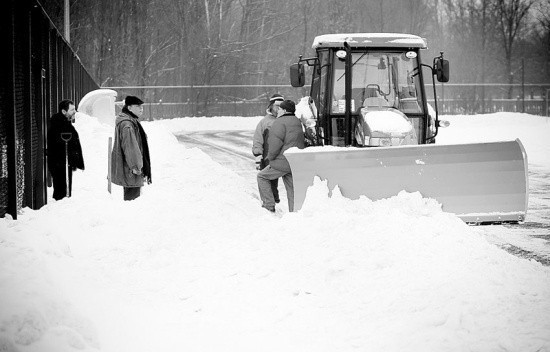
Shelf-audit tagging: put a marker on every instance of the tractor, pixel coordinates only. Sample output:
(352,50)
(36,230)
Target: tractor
(375,132)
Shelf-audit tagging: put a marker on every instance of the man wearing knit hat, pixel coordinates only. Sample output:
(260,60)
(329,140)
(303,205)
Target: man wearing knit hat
(285,132)
(259,141)
(131,164)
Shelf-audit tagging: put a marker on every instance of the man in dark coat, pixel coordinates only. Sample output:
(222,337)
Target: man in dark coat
(63,136)
(131,163)
(285,132)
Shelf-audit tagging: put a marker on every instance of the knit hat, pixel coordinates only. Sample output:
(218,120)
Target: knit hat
(288,106)
(131,100)
(275,97)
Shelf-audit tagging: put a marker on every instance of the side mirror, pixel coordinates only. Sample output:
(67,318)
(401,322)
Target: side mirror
(297,75)
(441,68)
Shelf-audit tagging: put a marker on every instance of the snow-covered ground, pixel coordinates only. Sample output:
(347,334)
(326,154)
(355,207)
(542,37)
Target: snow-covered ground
(195,264)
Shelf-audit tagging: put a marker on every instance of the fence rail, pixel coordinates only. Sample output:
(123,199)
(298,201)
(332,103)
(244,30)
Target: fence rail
(165,102)
(462,106)
(41,70)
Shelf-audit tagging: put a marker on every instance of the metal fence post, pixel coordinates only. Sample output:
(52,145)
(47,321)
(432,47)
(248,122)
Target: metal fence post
(547,112)
(523,85)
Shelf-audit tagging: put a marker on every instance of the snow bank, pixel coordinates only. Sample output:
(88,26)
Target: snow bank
(388,122)
(532,130)
(196,264)
(216,123)
(101,104)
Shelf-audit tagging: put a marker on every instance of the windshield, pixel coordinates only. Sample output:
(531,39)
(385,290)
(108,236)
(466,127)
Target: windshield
(379,80)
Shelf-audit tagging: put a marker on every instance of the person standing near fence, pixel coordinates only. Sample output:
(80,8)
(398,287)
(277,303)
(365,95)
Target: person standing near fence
(64,150)
(131,163)
(259,141)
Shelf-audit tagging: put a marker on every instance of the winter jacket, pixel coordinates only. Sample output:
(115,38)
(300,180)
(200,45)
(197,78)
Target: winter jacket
(285,133)
(56,145)
(127,153)
(259,144)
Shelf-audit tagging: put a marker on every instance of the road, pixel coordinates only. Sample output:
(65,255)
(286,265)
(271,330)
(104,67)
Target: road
(231,149)
(531,239)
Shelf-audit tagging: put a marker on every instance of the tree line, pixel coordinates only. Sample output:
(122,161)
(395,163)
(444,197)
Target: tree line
(218,42)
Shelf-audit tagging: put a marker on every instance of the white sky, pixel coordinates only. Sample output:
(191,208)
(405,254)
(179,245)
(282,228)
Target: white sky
(196,264)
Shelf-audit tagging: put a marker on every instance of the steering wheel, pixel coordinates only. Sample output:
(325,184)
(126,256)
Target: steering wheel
(378,89)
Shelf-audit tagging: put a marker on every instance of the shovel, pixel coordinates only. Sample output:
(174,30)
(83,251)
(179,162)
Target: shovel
(66,137)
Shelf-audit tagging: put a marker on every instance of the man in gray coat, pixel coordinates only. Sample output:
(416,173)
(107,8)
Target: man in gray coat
(285,132)
(131,164)
(261,134)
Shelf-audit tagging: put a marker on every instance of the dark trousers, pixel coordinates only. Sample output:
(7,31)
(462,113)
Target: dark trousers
(265,177)
(275,182)
(59,182)
(274,185)
(131,193)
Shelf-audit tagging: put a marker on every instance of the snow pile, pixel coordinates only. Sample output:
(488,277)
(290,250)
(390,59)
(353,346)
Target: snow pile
(196,264)
(99,103)
(216,123)
(533,131)
(388,122)
(306,112)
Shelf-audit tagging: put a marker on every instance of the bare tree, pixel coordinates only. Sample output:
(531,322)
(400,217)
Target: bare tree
(511,15)
(197,42)
(541,38)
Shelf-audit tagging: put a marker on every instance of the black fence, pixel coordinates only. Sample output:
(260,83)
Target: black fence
(40,69)
(454,99)
(166,102)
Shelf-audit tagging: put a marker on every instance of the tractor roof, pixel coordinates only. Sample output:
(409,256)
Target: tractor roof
(370,40)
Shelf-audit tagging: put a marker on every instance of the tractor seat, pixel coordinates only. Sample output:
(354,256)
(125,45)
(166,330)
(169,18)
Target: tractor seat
(375,103)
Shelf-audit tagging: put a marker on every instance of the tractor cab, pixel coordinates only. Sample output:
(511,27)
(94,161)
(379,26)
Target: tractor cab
(369,89)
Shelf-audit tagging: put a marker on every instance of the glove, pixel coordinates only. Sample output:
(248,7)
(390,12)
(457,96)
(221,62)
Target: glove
(258,160)
(136,172)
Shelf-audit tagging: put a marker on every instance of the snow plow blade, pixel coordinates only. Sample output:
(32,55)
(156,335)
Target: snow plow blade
(481,183)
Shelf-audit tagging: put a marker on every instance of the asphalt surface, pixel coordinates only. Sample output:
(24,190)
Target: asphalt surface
(530,239)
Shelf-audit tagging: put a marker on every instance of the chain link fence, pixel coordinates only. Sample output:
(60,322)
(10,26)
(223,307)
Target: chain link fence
(40,70)
(472,99)
(166,102)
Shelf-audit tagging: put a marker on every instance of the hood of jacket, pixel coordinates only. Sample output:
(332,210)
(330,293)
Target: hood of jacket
(125,117)
(268,113)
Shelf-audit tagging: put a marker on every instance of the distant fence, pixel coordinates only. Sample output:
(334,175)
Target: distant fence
(41,70)
(488,98)
(165,102)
